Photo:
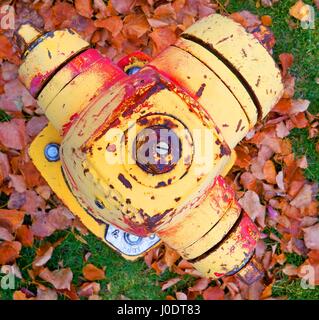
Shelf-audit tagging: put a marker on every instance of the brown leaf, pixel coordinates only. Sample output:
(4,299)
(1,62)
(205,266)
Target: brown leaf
(46,294)
(92,273)
(123,6)
(19,295)
(17,182)
(45,224)
(170,256)
(5,234)
(181,296)
(11,219)
(251,204)
(286,61)
(84,8)
(60,279)
(280,180)
(9,251)
(290,270)
(248,181)
(113,24)
(214,293)
(300,11)
(281,130)
(267,292)
(135,26)
(25,236)
(31,175)
(303,198)
(266,20)
(169,283)
(164,15)
(17,138)
(246,19)
(200,284)
(43,256)
(4,167)
(311,237)
(270,172)
(299,105)
(162,38)
(35,125)
(6,50)
(89,289)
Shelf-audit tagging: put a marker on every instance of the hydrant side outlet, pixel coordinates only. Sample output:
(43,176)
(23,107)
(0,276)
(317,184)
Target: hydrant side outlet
(144,144)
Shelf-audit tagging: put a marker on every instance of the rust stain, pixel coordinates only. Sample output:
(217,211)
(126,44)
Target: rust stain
(200,90)
(125,182)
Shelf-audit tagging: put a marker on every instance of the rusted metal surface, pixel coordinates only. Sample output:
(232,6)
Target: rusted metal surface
(144,143)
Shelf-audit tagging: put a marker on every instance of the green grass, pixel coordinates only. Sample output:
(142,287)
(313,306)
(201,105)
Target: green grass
(303,44)
(133,279)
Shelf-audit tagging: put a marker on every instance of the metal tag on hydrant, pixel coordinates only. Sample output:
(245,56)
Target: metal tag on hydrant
(138,149)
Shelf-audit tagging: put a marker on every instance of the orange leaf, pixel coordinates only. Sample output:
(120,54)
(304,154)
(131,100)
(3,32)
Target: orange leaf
(9,251)
(200,284)
(6,50)
(25,236)
(17,139)
(214,293)
(246,19)
(123,6)
(266,21)
(31,175)
(60,279)
(84,8)
(19,295)
(170,256)
(4,167)
(169,283)
(269,171)
(93,273)
(113,24)
(300,11)
(88,289)
(162,38)
(44,254)
(286,61)
(283,106)
(135,26)
(11,219)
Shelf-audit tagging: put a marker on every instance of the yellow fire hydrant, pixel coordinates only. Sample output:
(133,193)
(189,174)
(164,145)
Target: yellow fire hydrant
(138,150)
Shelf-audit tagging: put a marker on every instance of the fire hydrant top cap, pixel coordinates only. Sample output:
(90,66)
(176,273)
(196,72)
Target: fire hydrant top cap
(46,54)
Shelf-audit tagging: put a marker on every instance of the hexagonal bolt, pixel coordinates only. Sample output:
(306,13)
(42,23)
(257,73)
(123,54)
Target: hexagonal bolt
(52,152)
(251,272)
(133,70)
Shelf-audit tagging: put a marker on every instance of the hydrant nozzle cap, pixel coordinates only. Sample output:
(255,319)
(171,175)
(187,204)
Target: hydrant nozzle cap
(45,54)
(28,33)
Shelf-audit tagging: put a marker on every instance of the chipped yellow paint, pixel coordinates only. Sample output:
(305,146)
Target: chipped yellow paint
(224,74)
(208,89)
(48,55)
(28,33)
(244,53)
(230,254)
(52,173)
(216,78)
(142,193)
(214,235)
